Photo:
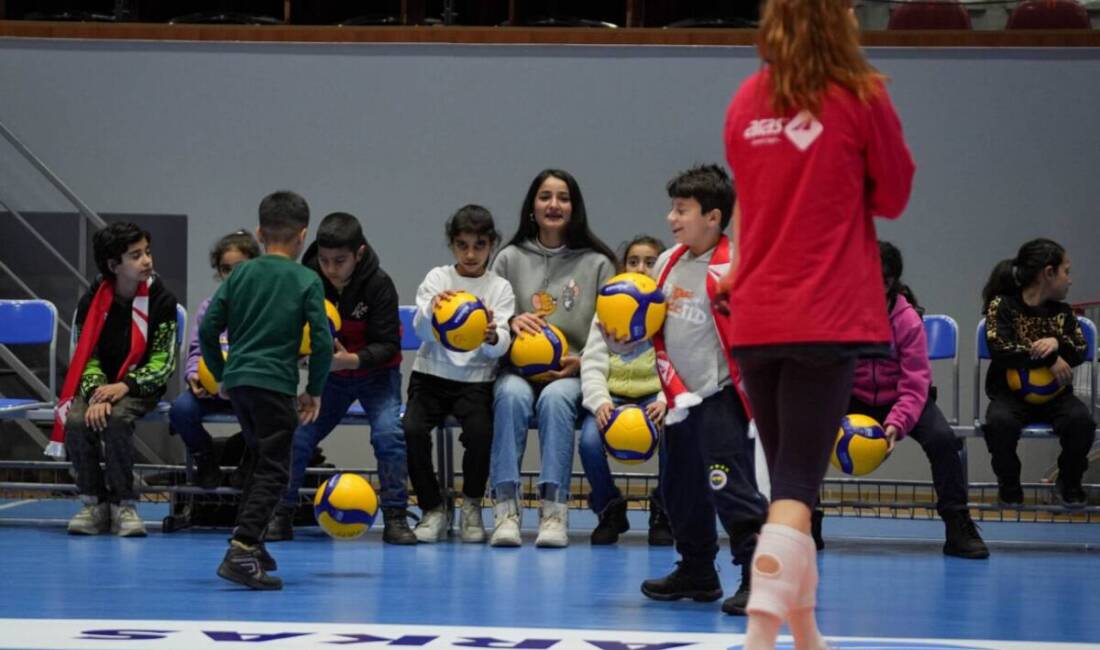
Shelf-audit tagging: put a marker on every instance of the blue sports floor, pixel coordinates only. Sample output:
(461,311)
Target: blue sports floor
(881,579)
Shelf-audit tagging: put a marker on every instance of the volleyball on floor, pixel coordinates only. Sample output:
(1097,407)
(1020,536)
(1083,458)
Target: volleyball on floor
(1034,385)
(459,323)
(206,378)
(630,437)
(632,305)
(334,325)
(534,355)
(345,506)
(861,445)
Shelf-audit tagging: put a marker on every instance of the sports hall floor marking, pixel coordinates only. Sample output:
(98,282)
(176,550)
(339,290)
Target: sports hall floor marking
(16,504)
(81,634)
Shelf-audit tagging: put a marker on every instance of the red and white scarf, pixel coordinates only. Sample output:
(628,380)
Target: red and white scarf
(680,399)
(85,346)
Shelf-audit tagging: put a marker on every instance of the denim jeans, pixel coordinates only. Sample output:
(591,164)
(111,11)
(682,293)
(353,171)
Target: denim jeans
(380,396)
(594,458)
(555,407)
(186,417)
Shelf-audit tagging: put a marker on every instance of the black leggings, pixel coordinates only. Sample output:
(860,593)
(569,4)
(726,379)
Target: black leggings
(797,403)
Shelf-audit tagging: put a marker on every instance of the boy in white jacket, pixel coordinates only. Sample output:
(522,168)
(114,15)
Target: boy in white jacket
(445,382)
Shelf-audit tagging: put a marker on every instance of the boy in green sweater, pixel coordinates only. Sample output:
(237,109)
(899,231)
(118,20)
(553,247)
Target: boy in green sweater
(264,305)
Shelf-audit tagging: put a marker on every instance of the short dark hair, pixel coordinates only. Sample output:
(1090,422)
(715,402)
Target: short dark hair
(472,220)
(283,215)
(340,230)
(710,185)
(242,240)
(111,242)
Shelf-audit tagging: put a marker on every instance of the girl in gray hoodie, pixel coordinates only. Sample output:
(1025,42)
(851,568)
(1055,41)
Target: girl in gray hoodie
(555,266)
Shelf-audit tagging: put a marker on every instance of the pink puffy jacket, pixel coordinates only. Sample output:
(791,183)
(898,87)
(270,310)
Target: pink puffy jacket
(902,379)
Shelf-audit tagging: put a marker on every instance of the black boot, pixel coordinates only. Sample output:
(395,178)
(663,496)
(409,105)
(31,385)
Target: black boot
(1071,494)
(815,528)
(1010,494)
(396,527)
(735,605)
(698,583)
(281,526)
(267,563)
(660,530)
(612,523)
(241,565)
(207,473)
(963,539)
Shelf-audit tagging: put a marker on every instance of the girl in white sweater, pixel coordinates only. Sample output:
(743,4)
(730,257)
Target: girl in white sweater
(446,382)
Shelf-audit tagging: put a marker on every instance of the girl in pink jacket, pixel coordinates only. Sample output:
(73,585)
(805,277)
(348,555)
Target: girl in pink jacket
(896,391)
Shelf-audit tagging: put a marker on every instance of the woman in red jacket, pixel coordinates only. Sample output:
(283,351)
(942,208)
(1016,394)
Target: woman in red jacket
(816,150)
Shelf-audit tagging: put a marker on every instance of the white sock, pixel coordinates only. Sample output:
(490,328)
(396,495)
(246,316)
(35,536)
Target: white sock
(762,631)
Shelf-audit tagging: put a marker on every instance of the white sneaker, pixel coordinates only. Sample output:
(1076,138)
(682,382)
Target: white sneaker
(473,531)
(433,527)
(93,519)
(125,521)
(506,524)
(553,525)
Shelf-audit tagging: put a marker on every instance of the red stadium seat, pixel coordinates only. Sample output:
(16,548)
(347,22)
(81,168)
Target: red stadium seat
(930,14)
(1049,14)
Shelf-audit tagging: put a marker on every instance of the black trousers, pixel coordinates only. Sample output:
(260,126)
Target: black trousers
(797,402)
(431,400)
(1006,417)
(709,469)
(268,420)
(82,444)
(938,440)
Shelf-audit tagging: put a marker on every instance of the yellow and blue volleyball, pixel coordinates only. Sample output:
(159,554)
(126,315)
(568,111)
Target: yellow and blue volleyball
(1034,385)
(535,355)
(334,325)
(632,305)
(206,378)
(345,506)
(459,323)
(861,445)
(630,437)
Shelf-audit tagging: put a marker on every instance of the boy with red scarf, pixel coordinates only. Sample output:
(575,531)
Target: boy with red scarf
(125,354)
(709,454)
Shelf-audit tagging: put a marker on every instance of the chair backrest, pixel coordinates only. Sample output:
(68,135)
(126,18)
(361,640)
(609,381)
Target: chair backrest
(409,339)
(930,14)
(1088,330)
(1049,14)
(942,333)
(31,322)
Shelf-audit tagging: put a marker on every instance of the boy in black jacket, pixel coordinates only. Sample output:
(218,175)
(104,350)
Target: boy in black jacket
(365,367)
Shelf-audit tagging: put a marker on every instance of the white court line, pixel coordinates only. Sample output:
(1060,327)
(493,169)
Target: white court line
(77,634)
(16,504)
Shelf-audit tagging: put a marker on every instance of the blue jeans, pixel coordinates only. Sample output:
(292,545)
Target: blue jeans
(594,458)
(380,396)
(186,416)
(555,407)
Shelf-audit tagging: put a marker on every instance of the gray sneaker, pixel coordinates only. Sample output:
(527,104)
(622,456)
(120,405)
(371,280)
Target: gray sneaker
(553,525)
(125,521)
(506,521)
(93,519)
(433,527)
(473,530)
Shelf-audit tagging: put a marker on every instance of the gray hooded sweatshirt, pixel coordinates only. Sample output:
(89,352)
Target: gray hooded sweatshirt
(559,284)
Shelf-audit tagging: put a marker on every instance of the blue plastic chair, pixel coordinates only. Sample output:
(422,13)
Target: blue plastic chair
(942,333)
(1088,328)
(29,322)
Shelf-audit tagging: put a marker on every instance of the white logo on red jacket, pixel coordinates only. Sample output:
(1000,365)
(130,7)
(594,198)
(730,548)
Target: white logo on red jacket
(803,130)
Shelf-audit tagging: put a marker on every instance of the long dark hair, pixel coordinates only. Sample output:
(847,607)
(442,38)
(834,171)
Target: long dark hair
(892,267)
(577,233)
(1012,275)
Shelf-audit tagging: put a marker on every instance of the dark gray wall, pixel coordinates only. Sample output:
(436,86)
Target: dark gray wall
(1005,142)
